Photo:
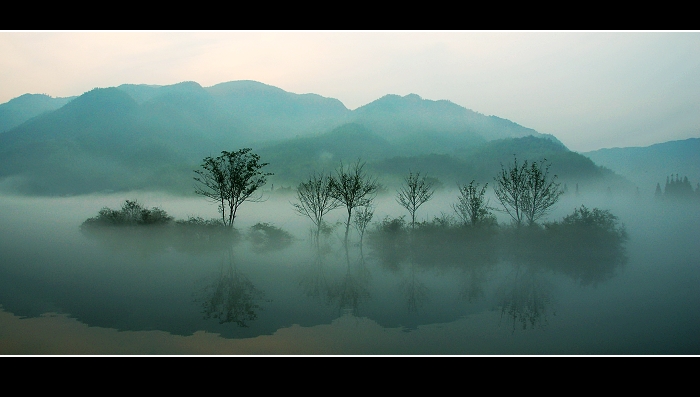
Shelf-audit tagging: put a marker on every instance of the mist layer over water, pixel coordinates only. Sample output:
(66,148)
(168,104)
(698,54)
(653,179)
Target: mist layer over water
(271,291)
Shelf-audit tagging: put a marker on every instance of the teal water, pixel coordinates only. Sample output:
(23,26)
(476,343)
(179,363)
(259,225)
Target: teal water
(361,300)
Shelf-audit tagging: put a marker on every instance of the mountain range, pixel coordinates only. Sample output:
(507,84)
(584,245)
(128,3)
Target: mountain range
(647,166)
(153,137)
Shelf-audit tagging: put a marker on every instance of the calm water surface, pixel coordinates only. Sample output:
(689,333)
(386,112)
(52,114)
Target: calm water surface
(144,291)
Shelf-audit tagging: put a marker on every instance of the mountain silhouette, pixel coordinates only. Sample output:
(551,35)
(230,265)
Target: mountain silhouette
(27,106)
(649,165)
(150,136)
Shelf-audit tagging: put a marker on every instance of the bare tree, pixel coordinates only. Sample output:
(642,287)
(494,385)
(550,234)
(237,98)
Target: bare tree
(363,216)
(230,180)
(353,188)
(510,189)
(526,192)
(472,206)
(414,192)
(315,200)
(542,191)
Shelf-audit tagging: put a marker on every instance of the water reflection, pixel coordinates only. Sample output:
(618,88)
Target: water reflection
(415,291)
(525,297)
(589,251)
(350,290)
(403,278)
(587,247)
(313,281)
(231,297)
(340,280)
(566,287)
(193,236)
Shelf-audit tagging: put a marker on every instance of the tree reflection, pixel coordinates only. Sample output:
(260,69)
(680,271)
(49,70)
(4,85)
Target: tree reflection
(314,282)
(194,235)
(588,246)
(232,297)
(525,297)
(143,241)
(442,245)
(197,235)
(351,289)
(389,244)
(473,279)
(416,292)
(346,289)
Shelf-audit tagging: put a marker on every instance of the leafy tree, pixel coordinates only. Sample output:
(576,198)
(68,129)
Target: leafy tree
(315,200)
(230,180)
(414,192)
(353,188)
(472,206)
(526,191)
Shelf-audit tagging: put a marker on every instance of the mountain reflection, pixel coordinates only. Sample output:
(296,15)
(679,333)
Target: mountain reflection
(231,297)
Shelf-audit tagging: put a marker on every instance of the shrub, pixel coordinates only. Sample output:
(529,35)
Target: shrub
(132,213)
(595,222)
(198,221)
(587,245)
(267,237)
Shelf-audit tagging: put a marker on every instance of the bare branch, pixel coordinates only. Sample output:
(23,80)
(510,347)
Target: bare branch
(415,191)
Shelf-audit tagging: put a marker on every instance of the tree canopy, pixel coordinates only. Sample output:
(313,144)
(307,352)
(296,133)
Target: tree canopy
(230,180)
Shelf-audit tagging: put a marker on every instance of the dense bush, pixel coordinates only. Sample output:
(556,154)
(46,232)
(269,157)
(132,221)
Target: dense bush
(388,240)
(587,245)
(131,214)
(442,241)
(267,237)
(199,222)
(591,224)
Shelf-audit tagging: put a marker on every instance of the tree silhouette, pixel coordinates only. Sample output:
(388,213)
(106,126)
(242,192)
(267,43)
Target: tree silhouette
(472,206)
(526,191)
(315,200)
(353,188)
(363,216)
(230,180)
(414,192)
(541,192)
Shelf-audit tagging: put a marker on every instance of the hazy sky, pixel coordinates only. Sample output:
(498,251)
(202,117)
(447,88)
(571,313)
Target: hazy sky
(590,89)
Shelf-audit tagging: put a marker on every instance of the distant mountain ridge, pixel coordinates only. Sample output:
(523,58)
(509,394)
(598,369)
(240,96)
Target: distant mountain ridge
(27,106)
(272,113)
(649,165)
(152,137)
